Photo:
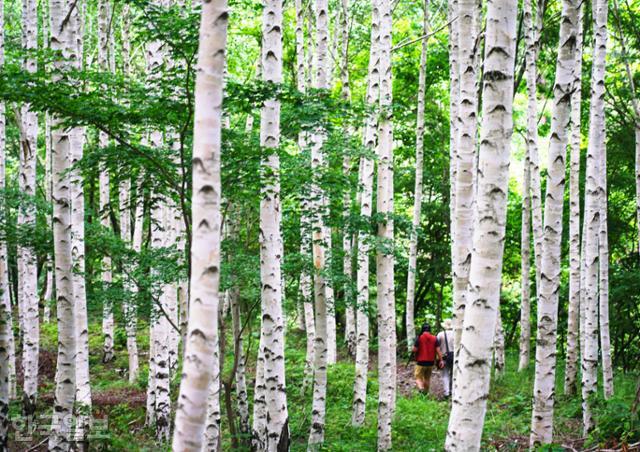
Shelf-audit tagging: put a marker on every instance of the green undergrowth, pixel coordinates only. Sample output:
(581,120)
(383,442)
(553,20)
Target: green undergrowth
(420,422)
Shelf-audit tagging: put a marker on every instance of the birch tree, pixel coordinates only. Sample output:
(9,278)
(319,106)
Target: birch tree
(525,263)
(365,196)
(466,128)
(59,440)
(319,240)
(206,219)
(603,240)
(385,258)
(347,236)
(533,209)
(276,428)
(130,313)
(469,404)
(104,18)
(417,193)
(27,259)
(543,391)
(573,324)
(6,321)
(8,359)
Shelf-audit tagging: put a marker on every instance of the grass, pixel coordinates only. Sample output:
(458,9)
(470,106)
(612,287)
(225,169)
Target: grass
(420,422)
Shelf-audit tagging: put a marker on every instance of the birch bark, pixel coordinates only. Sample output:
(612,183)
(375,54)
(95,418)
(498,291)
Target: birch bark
(275,436)
(525,259)
(543,392)
(417,193)
(59,439)
(469,404)
(571,367)
(130,314)
(467,129)
(319,241)
(27,259)
(6,327)
(385,258)
(6,321)
(205,257)
(366,201)
(347,235)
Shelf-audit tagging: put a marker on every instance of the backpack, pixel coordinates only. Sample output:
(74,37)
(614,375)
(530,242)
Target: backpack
(448,356)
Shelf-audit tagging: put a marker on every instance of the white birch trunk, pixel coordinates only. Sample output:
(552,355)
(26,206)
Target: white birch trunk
(6,327)
(385,258)
(83,389)
(498,353)
(417,193)
(212,431)
(525,260)
(275,435)
(130,307)
(60,438)
(241,379)
(104,18)
(469,401)
(543,392)
(603,252)
(27,259)
(205,248)
(467,129)
(7,345)
(454,99)
(533,208)
(573,324)
(347,235)
(319,242)
(366,201)
(48,294)
(533,24)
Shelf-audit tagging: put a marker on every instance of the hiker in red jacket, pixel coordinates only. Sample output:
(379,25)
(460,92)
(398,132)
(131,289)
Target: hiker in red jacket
(427,353)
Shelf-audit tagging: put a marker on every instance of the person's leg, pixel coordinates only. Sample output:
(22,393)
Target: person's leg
(446,381)
(418,376)
(427,378)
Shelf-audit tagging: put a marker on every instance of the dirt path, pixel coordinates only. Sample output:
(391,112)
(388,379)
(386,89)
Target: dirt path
(407,384)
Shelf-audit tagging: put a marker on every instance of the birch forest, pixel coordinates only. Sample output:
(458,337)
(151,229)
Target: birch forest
(228,225)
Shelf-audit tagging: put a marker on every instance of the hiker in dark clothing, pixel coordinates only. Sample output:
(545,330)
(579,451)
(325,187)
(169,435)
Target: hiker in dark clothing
(427,353)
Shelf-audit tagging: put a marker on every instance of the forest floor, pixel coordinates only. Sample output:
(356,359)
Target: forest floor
(420,422)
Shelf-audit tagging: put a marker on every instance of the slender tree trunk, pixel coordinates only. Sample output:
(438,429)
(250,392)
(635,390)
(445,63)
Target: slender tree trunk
(454,100)
(305,218)
(543,392)
(366,201)
(48,294)
(27,259)
(205,256)
(59,440)
(212,430)
(241,380)
(533,24)
(534,206)
(603,242)
(347,235)
(104,18)
(385,258)
(467,128)
(573,324)
(275,435)
(525,259)
(481,315)
(417,201)
(6,321)
(130,306)
(319,241)
(499,353)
